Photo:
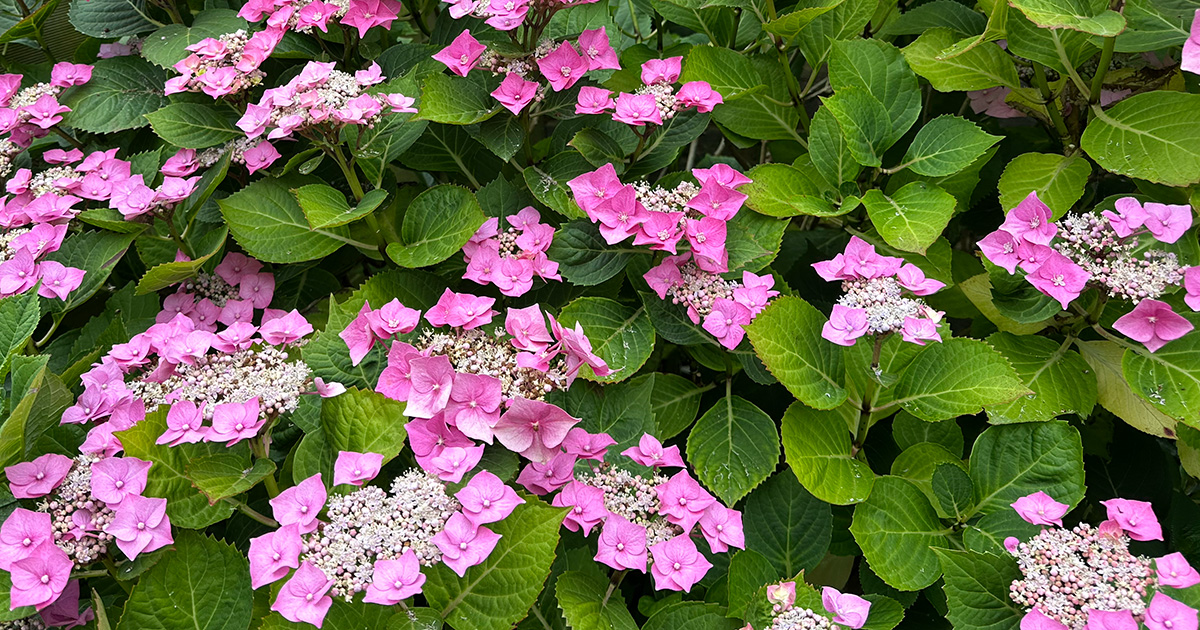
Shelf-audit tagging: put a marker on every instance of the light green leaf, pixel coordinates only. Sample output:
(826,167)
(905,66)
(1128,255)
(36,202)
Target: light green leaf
(1062,382)
(436,225)
(898,530)
(947,145)
(1153,136)
(167,274)
(456,100)
(982,67)
(167,45)
(1059,181)
(360,421)
(122,91)
(581,597)
(818,450)
(224,475)
(192,125)
(733,447)
(599,148)
(324,206)
(977,590)
(787,525)
(202,584)
(845,21)
(268,223)
(948,13)
(780,190)
(752,240)
(864,123)
(749,570)
(1155,24)
(621,335)
(1114,393)
(911,218)
(1011,461)
(1048,46)
(19,315)
(1169,379)
(787,337)
(1080,15)
(908,430)
(96,252)
(690,616)
(548,181)
(879,68)
(957,377)
(830,151)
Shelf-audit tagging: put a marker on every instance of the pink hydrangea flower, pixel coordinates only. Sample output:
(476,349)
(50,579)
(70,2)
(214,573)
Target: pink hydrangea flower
(260,156)
(258,288)
(35,479)
(1174,571)
(662,70)
(40,578)
(1036,620)
(393,318)
(1153,323)
(115,478)
(912,278)
(594,188)
(727,322)
(46,111)
(845,325)
(304,598)
(919,330)
(563,67)
(1191,285)
(432,379)
(585,445)
(1190,59)
(1166,613)
(286,329)
(234,422)
(586,505)
(637,109)
(1168,222)
(64,612)
(395,580)
(722,528)
(58,280)
(1031,220)
(545,478)
(1040,509)
(274,555)
(461,310)
(300,504)
(781,595)
(622,544)
(474,405)
(515,92)
(141,525)
(1136,518)
(365,14)
(486,499)
(678,565)
(594,100)
(650,452)
(699,94)
(533,428)
(464,544)
(356,468)
(1110,620)
(847,609)
(21,535)
(462,54)
(682,501)
(596,49)
(1060,278)
(1129,217)
(67,74)
(452,462)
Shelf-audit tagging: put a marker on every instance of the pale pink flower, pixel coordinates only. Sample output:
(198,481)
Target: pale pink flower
(1153,323)
(235,267)
(682,501)
(621,544)
(328,390)
(395,580)
(650,452)
(661,70)
(57,280)
(781,595)
(845,325)
(304,598)
(432,379)
(474,405)
(35,479)
(356,468)
(586,505)
(678,565)
(258,288)
(115,478)
(533,428)
(919,330)
(464,544)
(21,534)
(1031,220)
(234,422)
(141,525)
(1060,278)
(1174,571)
(1168,222)
(727,322)
(1110,620)
(300,504)
(274,555)
(486,499)
(722,528)
(847,609)
(39,579)
(452,462)
(1166,613)
(1135,518)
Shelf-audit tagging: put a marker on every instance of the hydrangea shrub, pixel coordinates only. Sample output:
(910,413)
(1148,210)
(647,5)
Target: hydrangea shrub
(599,314)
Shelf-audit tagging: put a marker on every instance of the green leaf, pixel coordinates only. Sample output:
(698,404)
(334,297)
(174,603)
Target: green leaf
(1092,17)
(912,218)
(787,337)
(898,530)
(167,45)
(979,68)
(345,615)
(361,421)
(908,430)
(846,21)
(780,190)
(752,240)
(879,68)
(690,616)
(621,335)
(415,618)
(864,123)
(436,225)
(167,274)
(1011,461)
(6,612)
(496,594)
(918,463)
(28,27)
(749,570)
(818,450)
(187,507)
(324,206)
(977,590)
(599,148)
(111,18)
(1062,382)
(947,145)
(202,583)
(456,100)
(1153,136)
(96,253)
(548,182)
(787,525)
(224,475)
(192,125)
(1054,48)
(19,315)
(957,377)
(267,222)
(1154,24)
(384,143)
(790,24)
(676,401)
(122,91)
(584,258)
(1114,393)
(953,490)
(502,135)
(734,446)
(948,13)
(830,151)
(623,410)
(1169,378)
(581,597)
(1059,181)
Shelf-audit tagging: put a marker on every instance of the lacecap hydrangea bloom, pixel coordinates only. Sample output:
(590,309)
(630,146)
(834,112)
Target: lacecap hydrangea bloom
(512,257)
(656,101)
(842,610)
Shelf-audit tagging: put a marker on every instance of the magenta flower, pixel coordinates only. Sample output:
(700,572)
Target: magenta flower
(1190,58)
(722,528)
(682,501)
(533,428)
(585,445)
(21,534)
(727,322)
(66,74)
(592,189)
(1040,509)
(619,216)
(781,595)
(304,598)
(464,544)
(64,612)
(598,51)
(677,564)
(18,274)
(1129,217)
(586,503)
(328,390)
(461,310)
(919,330)
(395,381)
(452,462)
(546,478)
(359,110)
(1191,285)
(260,156)
(393,318)
(1036,620)
(364,14)
(661,70)
(563,66)
(515,92)
(486,499)
(699,94)
(1011,543)
(287,329)
(185,424)
(358,335)
(462,53)
(395,580)
(1173,570)
(622,545)
(300,504)
(1165,613)
(847,609)
(115,478)
(46,111)
(35,479)
(234,422)
(594,100)
(427,437)
(650,452)
(40,579)
(912,278)
(254,121)
(1110,620)
(1031,220)
(474,405)
(1031,256)
(637,109)
(1059,278)
(356,468)
(316,14)
(141,525)
(1167,222)
(845,325)
(274,555)
(1136,518)
(1153,323)
(432,379)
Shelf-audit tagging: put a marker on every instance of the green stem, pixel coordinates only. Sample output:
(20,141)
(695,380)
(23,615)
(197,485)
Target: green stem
(348,171)
(1039,77)
(614,581)
(252,513)
(179,242)
(66,136)
(53,327)
(112,570)
(1106,55)
(89,574)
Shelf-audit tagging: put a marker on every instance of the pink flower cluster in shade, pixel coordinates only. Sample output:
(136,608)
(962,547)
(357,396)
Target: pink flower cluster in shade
(39,568)
(28,114)
(653,103)
(225,65)
(725,307)
(304,16)
(511,258)
(701,220)
(506,15)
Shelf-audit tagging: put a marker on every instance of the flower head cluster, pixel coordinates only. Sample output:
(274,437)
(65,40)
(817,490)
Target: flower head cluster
(1062,259)
(255,154)
(725,307)
(506,15)
(661,217)
(847,609)
(29,113)
(656,101)
(511,258)
(224,377)
(1085,577)
(225,65)
(646,520)
(304,16)
(873,301)
(84,505)
(372,540)
(321,100)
